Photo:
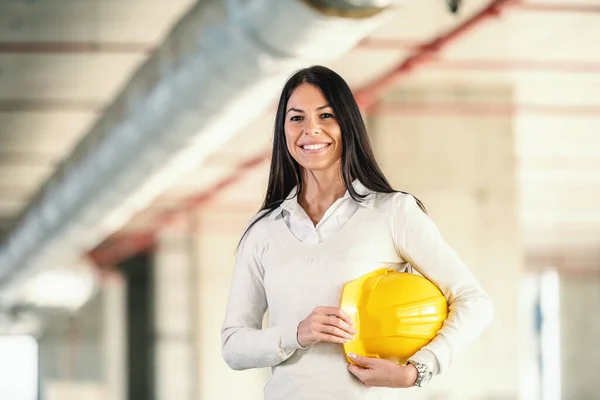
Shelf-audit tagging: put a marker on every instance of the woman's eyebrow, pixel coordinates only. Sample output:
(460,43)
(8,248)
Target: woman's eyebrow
(301,111)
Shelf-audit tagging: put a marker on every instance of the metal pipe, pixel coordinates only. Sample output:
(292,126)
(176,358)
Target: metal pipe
(76,47)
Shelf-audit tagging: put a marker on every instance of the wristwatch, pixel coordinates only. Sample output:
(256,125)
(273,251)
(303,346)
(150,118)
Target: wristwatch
(423,373)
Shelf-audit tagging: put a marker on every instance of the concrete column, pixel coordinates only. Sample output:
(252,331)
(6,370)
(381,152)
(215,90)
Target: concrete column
(176,298)
(462,167)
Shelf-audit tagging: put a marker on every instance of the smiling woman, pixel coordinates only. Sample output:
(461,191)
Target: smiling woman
(329,217)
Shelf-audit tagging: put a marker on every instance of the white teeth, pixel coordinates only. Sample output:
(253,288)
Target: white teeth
(314,146)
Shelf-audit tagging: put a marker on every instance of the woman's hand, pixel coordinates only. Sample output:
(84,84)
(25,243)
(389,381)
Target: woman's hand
(325,324)
(379,372)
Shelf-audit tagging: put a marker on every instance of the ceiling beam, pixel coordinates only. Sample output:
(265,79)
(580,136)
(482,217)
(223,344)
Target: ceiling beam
(565,7)
(495,65)
(27,158)
(50,105)
(70,47)
(482,109)
(578,67)
(17,192)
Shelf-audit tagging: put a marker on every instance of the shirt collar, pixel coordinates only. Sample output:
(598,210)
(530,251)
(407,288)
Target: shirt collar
(363,191)
(290,204)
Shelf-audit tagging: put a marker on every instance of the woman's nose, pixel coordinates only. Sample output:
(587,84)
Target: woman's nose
(312,128)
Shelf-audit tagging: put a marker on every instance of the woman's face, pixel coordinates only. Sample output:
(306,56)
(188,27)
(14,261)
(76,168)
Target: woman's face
(313,135)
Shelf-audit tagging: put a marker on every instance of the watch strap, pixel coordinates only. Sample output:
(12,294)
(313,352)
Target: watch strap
(423,373)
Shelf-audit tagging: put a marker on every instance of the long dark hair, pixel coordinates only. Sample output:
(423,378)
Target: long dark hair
(357,162)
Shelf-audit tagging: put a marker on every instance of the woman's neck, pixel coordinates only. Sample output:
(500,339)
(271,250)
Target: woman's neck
(320,189)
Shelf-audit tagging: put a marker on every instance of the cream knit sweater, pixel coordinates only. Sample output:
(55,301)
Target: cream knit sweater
(276,271)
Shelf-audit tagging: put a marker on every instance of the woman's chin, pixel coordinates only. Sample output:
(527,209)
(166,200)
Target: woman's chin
(319,166)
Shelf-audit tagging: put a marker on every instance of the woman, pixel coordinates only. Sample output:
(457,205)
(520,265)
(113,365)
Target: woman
(329,217)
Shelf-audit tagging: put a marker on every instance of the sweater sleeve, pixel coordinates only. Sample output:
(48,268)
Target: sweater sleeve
(419,242)
(245,344)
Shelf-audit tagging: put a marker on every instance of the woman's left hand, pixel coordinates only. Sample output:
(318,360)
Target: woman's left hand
(379,372)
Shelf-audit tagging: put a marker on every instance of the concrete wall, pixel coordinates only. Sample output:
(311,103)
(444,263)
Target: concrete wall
(463,169)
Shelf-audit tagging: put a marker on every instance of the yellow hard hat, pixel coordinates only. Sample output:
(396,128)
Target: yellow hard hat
(394,314)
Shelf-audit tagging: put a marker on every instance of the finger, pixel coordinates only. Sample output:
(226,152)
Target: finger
(341,314)
(324,337)
(359,372)
(335,321)
(335,331)
(361,360)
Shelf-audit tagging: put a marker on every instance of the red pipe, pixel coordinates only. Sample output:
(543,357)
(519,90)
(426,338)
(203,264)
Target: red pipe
(76,47)
(368,95)
(121,247)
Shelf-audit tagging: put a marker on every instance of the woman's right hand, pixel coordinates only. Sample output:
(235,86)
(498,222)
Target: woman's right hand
(325,324)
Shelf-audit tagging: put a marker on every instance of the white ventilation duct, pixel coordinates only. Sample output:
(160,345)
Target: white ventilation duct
(217,69)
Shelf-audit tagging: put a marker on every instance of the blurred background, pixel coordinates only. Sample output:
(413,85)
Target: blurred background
(134,147)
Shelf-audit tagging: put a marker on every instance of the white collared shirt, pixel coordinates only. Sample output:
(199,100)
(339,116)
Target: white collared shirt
(301,226)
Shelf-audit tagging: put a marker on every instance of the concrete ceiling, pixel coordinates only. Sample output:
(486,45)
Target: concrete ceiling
(61,62)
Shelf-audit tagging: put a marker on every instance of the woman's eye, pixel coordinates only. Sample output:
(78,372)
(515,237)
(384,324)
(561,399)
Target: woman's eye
(326,115)
(296,118)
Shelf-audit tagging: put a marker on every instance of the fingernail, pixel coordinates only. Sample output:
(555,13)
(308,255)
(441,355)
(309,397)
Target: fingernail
(351,355)
(353,331)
